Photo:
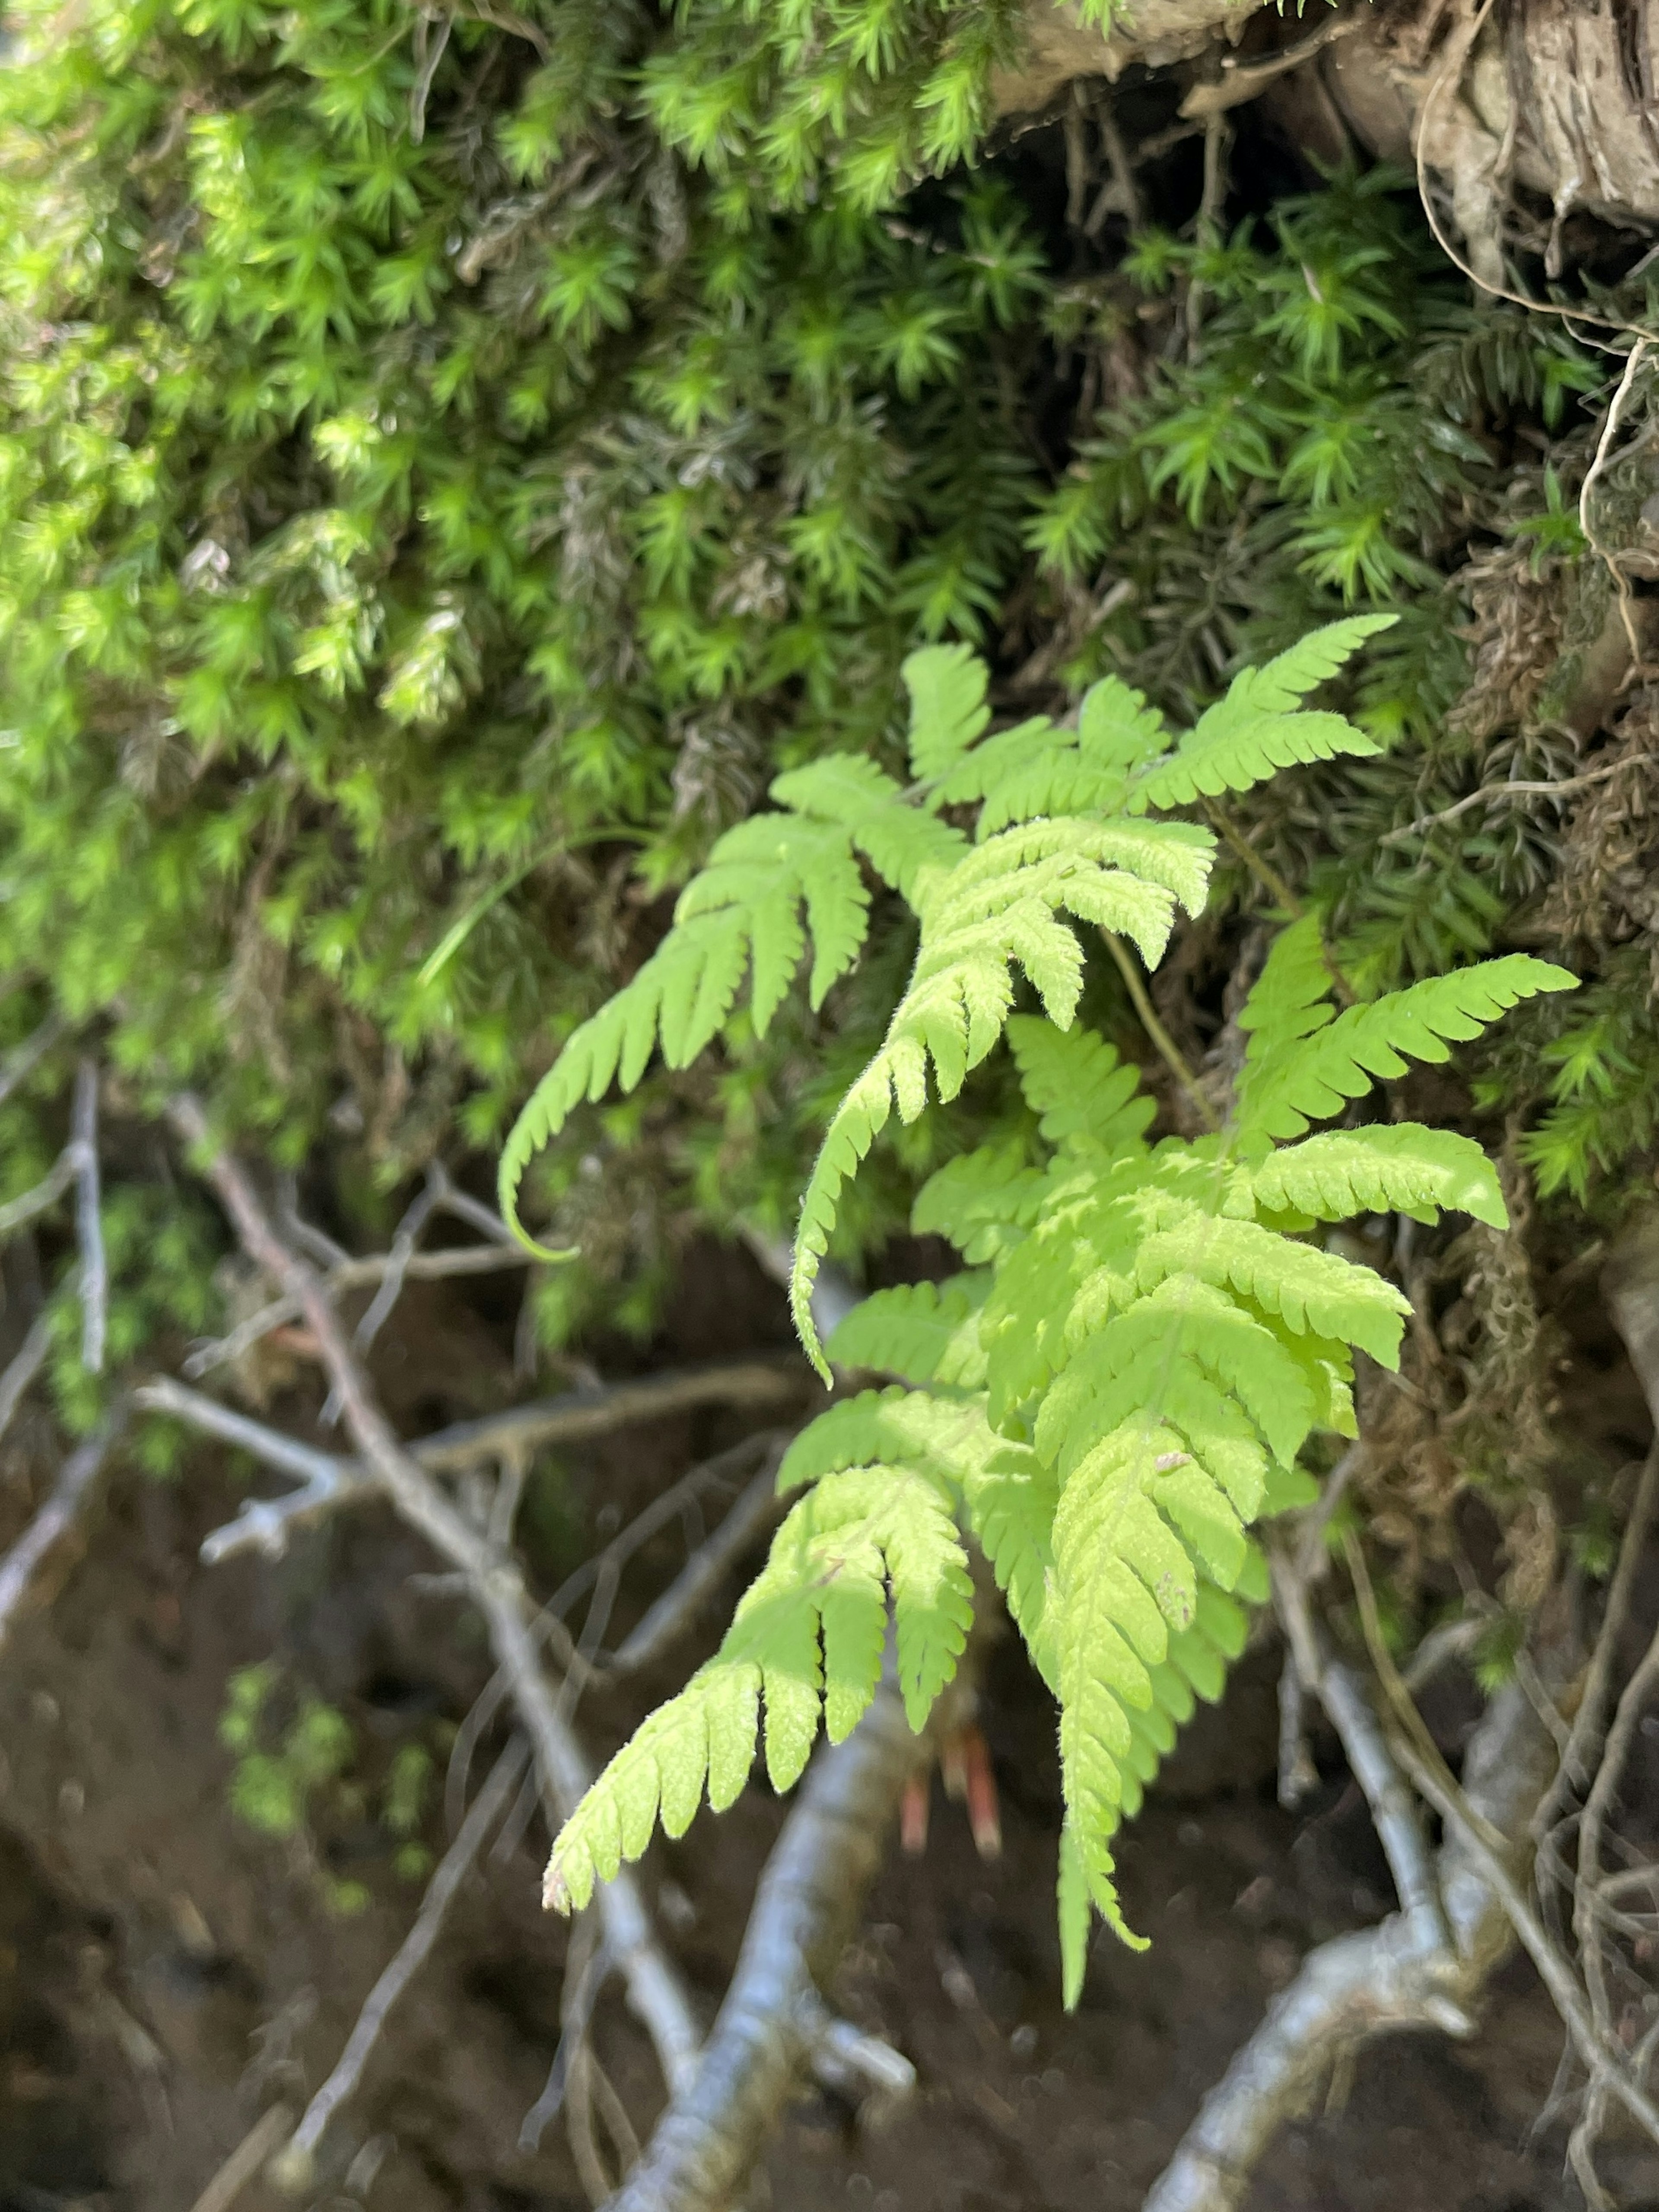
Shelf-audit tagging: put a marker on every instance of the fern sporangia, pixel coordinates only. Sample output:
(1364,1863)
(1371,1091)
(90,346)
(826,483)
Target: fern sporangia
(1146,1334)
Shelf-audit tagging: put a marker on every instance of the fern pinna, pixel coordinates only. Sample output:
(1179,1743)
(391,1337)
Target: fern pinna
(1144,1335)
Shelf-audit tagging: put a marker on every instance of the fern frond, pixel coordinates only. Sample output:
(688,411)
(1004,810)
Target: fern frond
(984,1201)
(921,1332)
(1141,1357)
(1289,1081)
(1398,1167)
(946,684)
(743,914)
(1075,1912)
(1312,1291)
(1258,726)
(1010,1497)
(1079,1086)
(806,1641)
(998,906)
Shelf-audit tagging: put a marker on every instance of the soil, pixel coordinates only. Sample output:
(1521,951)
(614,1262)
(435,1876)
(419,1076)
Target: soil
(167,1971)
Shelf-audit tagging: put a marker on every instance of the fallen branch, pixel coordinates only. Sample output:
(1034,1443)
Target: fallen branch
(25,1363)
(331,1480)
(262,1524)
(55,1518)
(1422,1967)
(88,1225)
(244,2161)
(28,1056)
(47,1192)
(1378,1981)
(293,2169)
(575,1415)
(754,1511)
(806,1907)
(495,1583)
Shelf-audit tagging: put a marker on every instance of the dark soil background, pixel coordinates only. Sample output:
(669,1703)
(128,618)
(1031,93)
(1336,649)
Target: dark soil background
(165,1971)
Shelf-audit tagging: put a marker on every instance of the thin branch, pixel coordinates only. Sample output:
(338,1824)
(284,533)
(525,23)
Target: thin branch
(246,2160)
(1378,1981)
(495,1583)
(464,1207)
(352,1274)
(331,1481)
(1394,1814)
(1584,1741)
(262,1524)
(47,1192)
(1491,793)
(756,1509)
(1605,2062)
(1638,354)
(297,2165)
(25,1363)
(582,1984)
(89,1226)
(1167,1051)
(807,1902)
(22,1063)
(55,1518)
(398,1262)
(575,1415)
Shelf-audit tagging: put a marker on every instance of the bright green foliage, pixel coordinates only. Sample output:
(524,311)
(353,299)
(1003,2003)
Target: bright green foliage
(1304,1060)
(1067,842)
(1126,1378)
(808,1637)
(434,483)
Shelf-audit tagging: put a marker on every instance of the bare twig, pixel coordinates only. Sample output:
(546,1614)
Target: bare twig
(1489,794)
(25,1363)
(331,1481)
(398,1262)
(662,1622)
(749,1384)
(1577,1761)
(262,1524)
(28,1056)
(89,1227)
(1393,1811)
(354,1274)
(293,2169)
(246,2160)
(1378,1981)
(585,1970)
(47,1192)
(809,1894)
(495,1585)
(55,1518)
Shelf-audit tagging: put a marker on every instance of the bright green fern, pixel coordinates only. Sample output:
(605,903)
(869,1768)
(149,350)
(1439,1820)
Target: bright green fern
(1147,1334)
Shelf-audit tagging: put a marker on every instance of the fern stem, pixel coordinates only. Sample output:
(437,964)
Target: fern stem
(1168,1052)
(1263,870)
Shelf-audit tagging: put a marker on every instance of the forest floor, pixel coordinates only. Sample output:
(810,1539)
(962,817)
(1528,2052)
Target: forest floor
(164,1969)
